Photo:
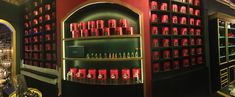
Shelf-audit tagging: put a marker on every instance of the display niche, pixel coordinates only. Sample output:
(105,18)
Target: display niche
(176,37)
(102,44)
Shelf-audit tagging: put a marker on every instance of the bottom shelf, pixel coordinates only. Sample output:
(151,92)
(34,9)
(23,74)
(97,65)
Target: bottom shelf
(75,89)
(106,82)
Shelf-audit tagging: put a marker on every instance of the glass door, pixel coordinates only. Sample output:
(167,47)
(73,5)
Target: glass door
(222,41)
(231,41)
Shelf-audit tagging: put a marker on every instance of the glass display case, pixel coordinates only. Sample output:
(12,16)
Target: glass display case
(221,27)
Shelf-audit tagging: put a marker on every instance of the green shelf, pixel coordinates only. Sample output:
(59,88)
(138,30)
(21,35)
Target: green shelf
(102,37)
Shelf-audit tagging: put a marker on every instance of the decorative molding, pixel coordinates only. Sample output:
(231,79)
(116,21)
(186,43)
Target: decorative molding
(16,2)
(229,3)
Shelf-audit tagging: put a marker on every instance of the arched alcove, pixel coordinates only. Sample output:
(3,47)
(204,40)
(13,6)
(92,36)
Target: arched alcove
(11,37)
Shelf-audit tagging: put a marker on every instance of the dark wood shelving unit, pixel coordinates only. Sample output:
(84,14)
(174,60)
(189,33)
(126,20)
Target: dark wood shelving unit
(38,15)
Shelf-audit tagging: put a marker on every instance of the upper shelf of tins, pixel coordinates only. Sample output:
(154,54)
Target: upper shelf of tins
(176,35)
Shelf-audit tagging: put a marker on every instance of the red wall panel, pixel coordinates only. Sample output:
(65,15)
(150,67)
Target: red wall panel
(64,7)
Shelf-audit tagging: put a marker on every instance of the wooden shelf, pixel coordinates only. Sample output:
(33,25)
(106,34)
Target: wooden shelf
(103,59)
(102,37)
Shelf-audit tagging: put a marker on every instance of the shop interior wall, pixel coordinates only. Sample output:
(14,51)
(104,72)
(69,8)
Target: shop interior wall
(14,14)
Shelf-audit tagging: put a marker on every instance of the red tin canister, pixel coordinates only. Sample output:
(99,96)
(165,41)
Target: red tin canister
(185,52)
(154,30)
(48,27)
(136,73)
(175,31)
(163,6)
(191,11)
(75,34)
(40,19)
(193,51)
(114,74)
(191,31)
(119,31)
(184,31)
(102,74)
(47,17)
(175,53)
(191,21)
(193,61)
(35,21)
(183,20)
(166,66)
(197,12)
(192,42)
(35,30)
(198,32)
(35,3)
(190,1)
(155,43)
(199,51)
(174,19)
(82,26)
(91,24)
(165,31)
(106,32)
(156,67)
(199,41)
(154,5)
(91,74)
(73,27)
(165,19)
(176,42)
(198,22)
(199,60)
(84,33)
(130,30)
(166,42)
(196,2)
(40,10)
(94,32)
(123,23)
(176,65)
(26,25)
(100,23)
(156,55)
(175,8)
(35,12)
(186,62)
(184,42)
(112,23)
(166,54)
(154,18)
(48,7)
(183,9)
(125,74)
